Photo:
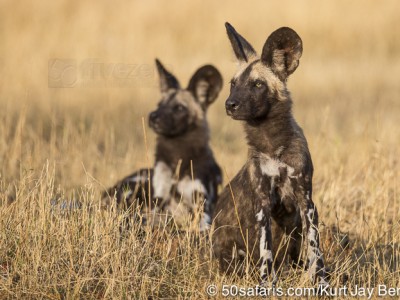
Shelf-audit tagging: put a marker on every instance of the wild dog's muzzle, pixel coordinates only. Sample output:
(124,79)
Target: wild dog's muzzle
(154,120)
(153,117)
(231,106)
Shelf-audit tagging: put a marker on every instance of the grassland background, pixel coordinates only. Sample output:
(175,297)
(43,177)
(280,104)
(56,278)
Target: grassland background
(76,140)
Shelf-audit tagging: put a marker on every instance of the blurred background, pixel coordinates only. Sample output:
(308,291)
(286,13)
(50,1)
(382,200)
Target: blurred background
(78,77)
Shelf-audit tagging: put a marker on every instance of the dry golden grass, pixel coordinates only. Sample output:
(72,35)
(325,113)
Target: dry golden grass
(74,141)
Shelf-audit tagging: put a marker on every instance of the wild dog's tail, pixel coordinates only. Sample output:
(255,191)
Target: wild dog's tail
(61,205)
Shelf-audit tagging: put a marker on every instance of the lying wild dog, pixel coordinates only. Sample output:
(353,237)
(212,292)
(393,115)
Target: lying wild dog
(182,150)
(271,195)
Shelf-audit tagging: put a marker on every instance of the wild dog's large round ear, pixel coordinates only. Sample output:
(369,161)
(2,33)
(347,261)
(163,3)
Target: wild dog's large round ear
(167,80)
(205,85)
(242,48)
(282,51)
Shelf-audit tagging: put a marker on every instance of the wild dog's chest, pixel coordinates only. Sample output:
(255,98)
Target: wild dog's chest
(166,186)
(273,167)
(271,175)
(179,196)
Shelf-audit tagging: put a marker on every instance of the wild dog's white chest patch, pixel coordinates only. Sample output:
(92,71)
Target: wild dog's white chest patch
(188,187)
(162,180)
(184,205)
(270,167)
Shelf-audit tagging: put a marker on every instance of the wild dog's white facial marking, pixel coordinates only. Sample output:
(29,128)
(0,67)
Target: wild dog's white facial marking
(167,94)
(242,65)
(162,180)
(261,72)
(187,99)
(240,69)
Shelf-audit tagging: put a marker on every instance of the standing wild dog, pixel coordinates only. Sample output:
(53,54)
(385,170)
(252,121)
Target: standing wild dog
(182,151)
(272,192)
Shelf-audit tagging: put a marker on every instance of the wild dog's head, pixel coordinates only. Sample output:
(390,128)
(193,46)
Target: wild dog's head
(181,110)
(260,82)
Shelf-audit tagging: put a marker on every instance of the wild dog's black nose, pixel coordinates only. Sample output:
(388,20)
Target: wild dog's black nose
(231,105)
(153,116)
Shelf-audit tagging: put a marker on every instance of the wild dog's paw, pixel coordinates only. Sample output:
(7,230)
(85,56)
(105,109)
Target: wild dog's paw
(264,283)
(323,288)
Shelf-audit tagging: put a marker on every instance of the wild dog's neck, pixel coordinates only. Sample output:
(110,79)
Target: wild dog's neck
(191,146)
(269,134)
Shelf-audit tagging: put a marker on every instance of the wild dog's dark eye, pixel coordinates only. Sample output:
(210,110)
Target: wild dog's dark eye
(258,84)
(179,108)
(233,83)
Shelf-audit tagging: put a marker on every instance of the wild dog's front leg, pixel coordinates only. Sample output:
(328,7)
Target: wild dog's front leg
(266,255)
(315,260)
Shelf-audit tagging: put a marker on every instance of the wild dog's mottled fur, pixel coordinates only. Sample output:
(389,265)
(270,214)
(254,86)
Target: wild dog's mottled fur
(182,149)
(273,190)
